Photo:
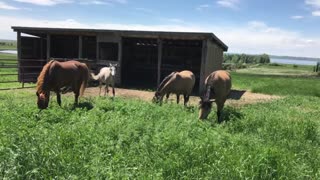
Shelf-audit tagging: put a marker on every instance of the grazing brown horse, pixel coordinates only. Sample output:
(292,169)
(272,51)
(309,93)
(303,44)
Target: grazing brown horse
(55,75)
(178,83)
(217,89)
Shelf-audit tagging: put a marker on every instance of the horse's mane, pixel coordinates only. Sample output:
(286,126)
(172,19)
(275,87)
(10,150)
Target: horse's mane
(43,75)
(165,80)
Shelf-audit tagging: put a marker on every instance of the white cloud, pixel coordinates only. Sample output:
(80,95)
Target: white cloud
(315,5)
(297,17)
(4,5)
(94,2)
(254,37)
(45,2)
(145,10)
(258,37)
(176,20)
(102,2)
(316,13)
(202,7)
(233,4)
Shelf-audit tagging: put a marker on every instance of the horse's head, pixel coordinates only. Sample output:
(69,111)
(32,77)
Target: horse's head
(113,68)
(43,99)
(205,104)
(205,108)
(156,98)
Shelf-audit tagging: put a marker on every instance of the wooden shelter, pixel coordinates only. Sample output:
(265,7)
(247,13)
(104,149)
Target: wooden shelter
(144,57)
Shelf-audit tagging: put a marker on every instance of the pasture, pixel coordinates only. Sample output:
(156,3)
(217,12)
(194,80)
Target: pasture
(9,74)
(129,138)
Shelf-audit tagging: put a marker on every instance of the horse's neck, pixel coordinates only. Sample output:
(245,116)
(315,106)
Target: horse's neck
(207,92)
(47,85)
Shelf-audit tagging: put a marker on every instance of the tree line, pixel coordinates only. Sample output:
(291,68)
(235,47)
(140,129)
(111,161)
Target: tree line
(246,59)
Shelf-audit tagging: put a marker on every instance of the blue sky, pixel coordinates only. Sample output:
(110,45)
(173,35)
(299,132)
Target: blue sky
(283,27)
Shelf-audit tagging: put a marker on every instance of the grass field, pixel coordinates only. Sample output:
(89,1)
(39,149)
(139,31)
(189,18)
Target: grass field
(280,70)
(278,85)
(132,139)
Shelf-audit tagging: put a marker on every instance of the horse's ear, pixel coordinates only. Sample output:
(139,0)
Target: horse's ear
(110,65)
(37,93)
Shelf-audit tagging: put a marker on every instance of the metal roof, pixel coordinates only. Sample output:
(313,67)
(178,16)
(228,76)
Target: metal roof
(130,33)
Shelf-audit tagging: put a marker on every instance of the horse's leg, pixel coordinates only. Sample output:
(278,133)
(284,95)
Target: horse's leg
(100,85)
(113,91)
(76,96)
(58,97)
(76,92)
(167,96)
(220,105)
(178,98)
(186,99)
(106,89)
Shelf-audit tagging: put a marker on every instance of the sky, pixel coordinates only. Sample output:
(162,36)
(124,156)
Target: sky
(282,27)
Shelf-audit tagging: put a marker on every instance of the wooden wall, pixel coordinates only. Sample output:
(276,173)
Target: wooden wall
(211,61)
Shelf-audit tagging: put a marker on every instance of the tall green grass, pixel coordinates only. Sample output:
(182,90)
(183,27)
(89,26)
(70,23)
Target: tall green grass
(139,140)
(277,85)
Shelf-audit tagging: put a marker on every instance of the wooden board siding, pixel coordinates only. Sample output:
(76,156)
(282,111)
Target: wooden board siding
(214,58)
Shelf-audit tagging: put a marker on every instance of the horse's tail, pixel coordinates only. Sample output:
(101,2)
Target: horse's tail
(165,80)
(85,78)
(95,77)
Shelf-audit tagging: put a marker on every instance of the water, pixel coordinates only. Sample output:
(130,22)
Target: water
(8,51)
(293,61)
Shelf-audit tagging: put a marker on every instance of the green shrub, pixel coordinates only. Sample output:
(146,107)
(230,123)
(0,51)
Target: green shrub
(274,64)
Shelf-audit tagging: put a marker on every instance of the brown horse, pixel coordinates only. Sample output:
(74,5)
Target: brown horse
(218,87)
(55,75)
(178,83)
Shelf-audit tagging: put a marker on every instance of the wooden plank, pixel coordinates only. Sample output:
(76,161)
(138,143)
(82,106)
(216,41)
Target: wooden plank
(119,60)
(80,47)
(203,66)
(41,47)
(97,52)
(159,61)
(48,46)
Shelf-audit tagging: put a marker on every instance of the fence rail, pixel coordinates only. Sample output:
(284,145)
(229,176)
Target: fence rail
(25,70)
(10,67)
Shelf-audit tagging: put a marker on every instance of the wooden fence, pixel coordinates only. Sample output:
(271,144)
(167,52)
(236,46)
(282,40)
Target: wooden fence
(13,72)
(27,70)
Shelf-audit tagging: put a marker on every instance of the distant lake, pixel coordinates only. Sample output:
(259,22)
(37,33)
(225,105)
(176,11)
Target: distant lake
(293,61)
(8,51)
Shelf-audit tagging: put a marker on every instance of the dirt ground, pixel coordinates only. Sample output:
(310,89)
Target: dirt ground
(237,97)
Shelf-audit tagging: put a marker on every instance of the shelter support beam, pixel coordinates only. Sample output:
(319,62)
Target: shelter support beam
(203,66)
(159,61)
(80,48)
(48,47)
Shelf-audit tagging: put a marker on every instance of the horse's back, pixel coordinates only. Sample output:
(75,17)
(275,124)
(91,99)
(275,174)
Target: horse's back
(184,81)
(65,73)
(220,81)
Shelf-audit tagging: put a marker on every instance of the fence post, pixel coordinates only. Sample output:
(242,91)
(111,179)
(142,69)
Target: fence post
(22,78)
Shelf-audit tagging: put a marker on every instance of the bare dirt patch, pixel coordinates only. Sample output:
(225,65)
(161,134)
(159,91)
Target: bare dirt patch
(237,98)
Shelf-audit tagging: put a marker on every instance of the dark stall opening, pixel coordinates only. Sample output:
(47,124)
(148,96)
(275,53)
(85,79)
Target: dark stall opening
(32,59)
(64,46)
(89,47)
(108,51)
(139,62)
(178,55)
